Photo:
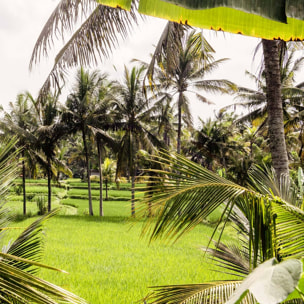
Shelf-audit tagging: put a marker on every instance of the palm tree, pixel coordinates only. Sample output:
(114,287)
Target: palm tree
(194,60)
(164,120)
(84,52)
(132,116)
(108,172)
(213,144)
(291,97)
(50,130)
(20,259)
(266,213)
(85,108)
(16,122)
(274,107)
(39,132)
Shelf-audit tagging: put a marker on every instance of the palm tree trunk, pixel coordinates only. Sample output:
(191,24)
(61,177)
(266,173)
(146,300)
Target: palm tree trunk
(179,126)
(49,174)
(23,184)
(100,178)
(107,195)
(275,108)
(132,172)
(88,171)
(133,194)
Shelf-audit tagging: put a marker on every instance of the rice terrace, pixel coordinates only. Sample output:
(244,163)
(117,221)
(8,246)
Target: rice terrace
(107,260)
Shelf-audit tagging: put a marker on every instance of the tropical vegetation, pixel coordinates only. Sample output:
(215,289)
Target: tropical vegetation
(238,178)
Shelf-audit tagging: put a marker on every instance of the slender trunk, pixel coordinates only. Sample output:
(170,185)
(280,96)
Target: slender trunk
(100,178)
(88,172)
(23,184)
(179,126)
(107,196)
(132,173)
(275,108)
(133,195)
(49,174)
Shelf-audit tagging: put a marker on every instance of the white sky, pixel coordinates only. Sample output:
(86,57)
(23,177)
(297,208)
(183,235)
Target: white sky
(21,22)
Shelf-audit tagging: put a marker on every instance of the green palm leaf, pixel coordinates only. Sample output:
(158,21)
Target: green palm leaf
(185,195)
(22,287)
(288,230)
(29,244)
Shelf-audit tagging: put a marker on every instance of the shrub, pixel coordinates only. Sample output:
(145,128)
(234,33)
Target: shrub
(30,196)
(41,205)
(18,189)
(94,178)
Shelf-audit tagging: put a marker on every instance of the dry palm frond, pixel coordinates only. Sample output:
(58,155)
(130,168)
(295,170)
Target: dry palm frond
(169,43)
(95,39)
(211,293)
(62,19)
(230,258)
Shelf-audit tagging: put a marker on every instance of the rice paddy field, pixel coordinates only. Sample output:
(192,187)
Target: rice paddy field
(107,259)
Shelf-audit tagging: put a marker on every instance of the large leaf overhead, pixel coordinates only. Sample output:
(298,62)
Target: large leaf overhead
(124,4)
(272,9)
(258,18)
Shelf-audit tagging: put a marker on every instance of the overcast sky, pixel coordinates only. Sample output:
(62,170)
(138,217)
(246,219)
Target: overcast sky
(21,22)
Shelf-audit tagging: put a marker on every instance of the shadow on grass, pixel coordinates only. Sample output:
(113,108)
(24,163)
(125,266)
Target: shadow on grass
(88,218)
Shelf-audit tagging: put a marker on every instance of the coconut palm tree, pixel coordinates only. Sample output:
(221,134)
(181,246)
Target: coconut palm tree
(274,107)
(213,143)
(132,116)
(185,74)
(265,212)
(86,108)
(16,122)
(108,173)
(50,130)
(291,97)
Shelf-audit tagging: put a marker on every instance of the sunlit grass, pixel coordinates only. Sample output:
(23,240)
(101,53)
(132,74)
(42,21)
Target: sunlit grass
(107,260)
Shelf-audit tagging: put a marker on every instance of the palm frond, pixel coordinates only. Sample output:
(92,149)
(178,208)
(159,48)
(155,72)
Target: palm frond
(21,287)
(215,86)
(230,258)
(8,166)
(212,293)
(29,244)
(289,229)
(95,39)
(63,19)
(185,195)
(203,99)
(169,43)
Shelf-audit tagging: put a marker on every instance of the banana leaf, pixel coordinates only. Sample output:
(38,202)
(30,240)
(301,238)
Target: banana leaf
(264,19)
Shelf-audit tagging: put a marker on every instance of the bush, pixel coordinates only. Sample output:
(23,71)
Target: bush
(18,189)
(94,178)
(41,205)
(30,196)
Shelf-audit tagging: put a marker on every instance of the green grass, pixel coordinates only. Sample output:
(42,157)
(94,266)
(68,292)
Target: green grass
(107,260)
(111,208)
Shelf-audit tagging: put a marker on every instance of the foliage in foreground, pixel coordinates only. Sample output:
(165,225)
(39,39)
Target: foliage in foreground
(21,259)
(270,225)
